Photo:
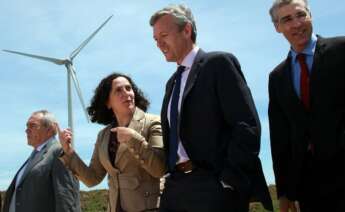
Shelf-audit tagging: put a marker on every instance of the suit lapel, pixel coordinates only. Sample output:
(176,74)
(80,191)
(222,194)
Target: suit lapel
(135,124)
(164,109)
(193,74)
(189,84)
(287,84)
(289,95)
(37,158)
(169,88)
(104,154)
(317,64)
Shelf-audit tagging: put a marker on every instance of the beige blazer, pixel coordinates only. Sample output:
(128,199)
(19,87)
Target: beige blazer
(139,164)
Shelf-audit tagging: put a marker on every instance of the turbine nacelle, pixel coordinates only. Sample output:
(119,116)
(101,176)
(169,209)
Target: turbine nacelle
(68,62)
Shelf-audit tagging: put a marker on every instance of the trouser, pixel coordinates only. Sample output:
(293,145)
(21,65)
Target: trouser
(199,191)
(322,187)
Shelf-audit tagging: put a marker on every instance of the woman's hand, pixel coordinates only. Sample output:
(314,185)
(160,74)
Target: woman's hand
(124,134)
(65,137)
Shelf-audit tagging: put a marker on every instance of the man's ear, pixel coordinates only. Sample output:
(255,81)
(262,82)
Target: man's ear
(188,30)
(277,27)
(51,129)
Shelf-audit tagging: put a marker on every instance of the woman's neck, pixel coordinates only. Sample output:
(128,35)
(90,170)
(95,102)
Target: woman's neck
(123,120)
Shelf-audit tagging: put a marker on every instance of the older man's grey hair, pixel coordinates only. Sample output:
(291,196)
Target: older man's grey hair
(280,3)
(48,119)
(182,15)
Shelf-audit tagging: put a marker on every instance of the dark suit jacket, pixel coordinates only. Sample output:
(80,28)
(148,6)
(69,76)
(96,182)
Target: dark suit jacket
(46,186)
(219,125)
(292,128)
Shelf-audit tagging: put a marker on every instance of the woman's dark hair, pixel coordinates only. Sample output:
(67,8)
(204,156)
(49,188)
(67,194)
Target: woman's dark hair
(98,110)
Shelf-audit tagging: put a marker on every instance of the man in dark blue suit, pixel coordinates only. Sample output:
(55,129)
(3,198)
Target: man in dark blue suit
(307,113)
(211,130)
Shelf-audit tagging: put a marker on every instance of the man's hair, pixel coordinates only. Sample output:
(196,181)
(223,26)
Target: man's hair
(48,120)
(182,15)
(279,3)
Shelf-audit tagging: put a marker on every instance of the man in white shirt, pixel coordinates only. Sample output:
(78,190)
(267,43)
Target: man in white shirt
(211,130)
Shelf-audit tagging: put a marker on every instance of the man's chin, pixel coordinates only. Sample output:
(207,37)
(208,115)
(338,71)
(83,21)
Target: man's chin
(169,59)
(132,107)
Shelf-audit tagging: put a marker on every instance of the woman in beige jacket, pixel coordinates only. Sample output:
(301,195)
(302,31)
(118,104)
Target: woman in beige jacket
(129,149)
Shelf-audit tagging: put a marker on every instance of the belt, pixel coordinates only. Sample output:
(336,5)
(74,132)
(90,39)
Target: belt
(185,167)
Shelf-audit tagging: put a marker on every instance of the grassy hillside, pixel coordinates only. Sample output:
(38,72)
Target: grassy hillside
(96,201)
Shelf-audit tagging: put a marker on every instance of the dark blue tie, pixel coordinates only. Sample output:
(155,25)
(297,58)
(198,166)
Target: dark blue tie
(173,134)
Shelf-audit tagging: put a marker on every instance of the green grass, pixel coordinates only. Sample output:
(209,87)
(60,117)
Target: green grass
(96,201)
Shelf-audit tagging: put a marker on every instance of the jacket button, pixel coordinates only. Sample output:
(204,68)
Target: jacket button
(146,194)
(136,156)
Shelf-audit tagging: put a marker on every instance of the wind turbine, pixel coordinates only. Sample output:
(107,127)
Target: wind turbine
(71,73)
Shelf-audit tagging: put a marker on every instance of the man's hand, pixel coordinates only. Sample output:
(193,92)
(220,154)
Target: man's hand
(286,205)
(124,134)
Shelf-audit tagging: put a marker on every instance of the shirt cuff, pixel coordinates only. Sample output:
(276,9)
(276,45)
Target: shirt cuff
(225,185)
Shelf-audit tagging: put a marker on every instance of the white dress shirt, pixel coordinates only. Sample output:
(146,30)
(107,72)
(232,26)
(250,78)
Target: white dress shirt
(187,63)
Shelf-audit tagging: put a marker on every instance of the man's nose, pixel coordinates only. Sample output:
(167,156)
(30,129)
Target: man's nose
(160,43)
(296,21)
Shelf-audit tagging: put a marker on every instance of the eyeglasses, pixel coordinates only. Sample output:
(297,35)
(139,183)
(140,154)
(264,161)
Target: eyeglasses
(33,126)
(299,16)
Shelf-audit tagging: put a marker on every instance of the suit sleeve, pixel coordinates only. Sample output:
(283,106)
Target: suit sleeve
(242,122)
(66,188)
(90,175)
(279,140)
(149,152)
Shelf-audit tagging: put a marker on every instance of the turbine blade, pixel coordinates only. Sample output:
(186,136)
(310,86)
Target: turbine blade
(77,87)
(82,45)
(49,59)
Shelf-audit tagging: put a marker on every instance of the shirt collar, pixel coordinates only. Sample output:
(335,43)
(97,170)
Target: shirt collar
(40,147)
(309,49)
(189,59)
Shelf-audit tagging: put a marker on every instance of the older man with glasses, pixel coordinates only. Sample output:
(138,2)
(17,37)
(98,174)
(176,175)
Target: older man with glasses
(43,183)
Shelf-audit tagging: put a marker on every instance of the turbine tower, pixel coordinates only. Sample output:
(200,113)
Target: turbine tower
(71,73)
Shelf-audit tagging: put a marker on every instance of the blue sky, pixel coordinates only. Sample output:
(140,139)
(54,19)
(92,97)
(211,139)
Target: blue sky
(125,44)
